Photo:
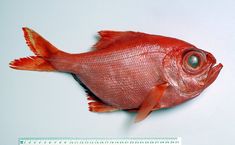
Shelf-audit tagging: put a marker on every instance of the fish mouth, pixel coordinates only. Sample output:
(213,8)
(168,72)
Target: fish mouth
(213,73)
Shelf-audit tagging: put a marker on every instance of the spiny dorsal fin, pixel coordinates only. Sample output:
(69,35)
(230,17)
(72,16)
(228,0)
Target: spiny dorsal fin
(107,37)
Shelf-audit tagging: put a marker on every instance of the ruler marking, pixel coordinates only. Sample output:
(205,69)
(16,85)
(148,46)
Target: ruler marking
(100,141)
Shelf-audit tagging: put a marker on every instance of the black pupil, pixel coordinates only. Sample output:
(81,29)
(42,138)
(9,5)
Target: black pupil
(193,61)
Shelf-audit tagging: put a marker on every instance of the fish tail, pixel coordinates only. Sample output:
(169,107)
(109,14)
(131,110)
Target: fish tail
(41,48)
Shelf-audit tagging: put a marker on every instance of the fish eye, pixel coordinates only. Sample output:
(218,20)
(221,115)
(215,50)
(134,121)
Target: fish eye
(193,61)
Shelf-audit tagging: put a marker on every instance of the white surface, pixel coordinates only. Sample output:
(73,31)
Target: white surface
(36,104)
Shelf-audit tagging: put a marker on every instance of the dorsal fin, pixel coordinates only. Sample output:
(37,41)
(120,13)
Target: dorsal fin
(107,37)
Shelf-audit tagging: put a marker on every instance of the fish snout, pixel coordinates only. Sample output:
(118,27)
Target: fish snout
(211,58)
(213,73)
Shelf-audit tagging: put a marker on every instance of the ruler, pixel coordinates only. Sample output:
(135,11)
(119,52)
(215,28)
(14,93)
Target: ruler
(100,141)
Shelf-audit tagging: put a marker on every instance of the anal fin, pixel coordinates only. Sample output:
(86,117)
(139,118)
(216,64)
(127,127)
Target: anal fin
(98,106)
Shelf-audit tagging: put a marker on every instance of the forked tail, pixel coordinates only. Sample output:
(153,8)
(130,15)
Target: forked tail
(41,48)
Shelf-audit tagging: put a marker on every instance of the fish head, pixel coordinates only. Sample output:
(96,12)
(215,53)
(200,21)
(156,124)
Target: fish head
(190,70)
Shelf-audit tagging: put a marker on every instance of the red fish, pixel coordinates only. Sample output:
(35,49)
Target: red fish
(128,70)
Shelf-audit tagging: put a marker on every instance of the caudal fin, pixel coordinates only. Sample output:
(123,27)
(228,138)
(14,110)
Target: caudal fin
(41,48)
(33,63)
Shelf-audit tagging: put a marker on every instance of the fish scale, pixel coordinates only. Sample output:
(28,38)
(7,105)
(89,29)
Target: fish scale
(115,82)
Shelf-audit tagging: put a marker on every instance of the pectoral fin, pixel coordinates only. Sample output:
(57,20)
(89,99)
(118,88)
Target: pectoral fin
(151,101)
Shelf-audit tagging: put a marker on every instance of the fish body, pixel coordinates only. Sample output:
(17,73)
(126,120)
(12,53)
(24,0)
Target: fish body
(129,70)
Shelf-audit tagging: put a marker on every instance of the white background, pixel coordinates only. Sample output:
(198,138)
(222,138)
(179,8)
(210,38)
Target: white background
(43,104)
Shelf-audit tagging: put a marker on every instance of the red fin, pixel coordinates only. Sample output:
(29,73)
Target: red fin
(90,98)
(38,44)
(108,37)
(31,63)
(98,106)
(108,34)
(41,48)
(150,102)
